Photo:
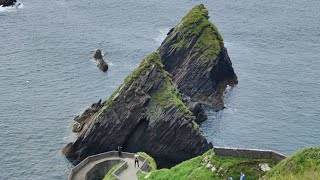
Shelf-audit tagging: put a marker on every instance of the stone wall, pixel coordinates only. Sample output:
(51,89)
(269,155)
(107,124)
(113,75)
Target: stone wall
(249,153)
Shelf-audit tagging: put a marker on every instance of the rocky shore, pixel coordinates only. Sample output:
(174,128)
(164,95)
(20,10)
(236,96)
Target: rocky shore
(158,107)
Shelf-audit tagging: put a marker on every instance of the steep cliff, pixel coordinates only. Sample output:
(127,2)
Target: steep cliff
(157,108)
(194,54)
(145,114)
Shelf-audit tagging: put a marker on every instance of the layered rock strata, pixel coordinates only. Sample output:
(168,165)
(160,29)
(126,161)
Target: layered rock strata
(194,54)
(145,114)
(158,107)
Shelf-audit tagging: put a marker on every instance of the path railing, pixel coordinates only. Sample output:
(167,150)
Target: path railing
(114,156)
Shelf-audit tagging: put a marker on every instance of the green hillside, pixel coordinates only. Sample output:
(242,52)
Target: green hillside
(303,165)
(210,166)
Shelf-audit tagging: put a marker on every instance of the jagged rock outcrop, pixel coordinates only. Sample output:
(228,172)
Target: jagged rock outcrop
(198,111)
(145,114)
(85,117)
(7,2)
(194,54)
(157,108)
(101,64)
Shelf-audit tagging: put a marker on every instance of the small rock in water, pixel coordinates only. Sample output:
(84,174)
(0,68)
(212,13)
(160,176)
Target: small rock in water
(5,3)
(101,63)
(98,54)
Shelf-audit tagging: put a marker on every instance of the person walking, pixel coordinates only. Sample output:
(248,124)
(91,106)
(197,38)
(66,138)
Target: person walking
(242,176)
(136,160)
(119,151)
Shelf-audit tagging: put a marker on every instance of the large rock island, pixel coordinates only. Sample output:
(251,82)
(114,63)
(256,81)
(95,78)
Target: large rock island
(150,111)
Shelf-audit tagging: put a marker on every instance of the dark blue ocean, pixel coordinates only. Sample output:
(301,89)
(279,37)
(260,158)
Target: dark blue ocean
(47,75)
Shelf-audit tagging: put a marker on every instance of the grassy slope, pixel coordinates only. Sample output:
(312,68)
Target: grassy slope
(152,162)
(196,169)
(303,165)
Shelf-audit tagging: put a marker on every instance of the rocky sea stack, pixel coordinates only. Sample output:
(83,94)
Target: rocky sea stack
(101,64)
(5,3)
(157,108)
(194,54)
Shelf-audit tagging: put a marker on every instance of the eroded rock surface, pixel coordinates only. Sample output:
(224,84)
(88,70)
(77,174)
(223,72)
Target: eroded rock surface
(158,107)
(145,114)
(194,54)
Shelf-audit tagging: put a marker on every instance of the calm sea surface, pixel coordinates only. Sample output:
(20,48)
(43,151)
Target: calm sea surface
(47,75)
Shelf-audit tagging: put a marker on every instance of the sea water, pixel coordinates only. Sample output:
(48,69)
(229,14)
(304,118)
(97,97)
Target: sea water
(47,75)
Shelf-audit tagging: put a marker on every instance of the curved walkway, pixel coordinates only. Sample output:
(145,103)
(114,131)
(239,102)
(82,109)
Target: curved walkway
(131,171)
(102,163)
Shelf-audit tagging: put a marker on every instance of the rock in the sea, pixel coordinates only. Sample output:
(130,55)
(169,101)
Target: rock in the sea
(145,114)
(5,3)
(194,54)
(150,111)
(98,54)
(101,64)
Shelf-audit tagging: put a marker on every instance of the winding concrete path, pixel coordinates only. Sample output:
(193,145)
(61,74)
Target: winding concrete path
(131,172)
(80,171)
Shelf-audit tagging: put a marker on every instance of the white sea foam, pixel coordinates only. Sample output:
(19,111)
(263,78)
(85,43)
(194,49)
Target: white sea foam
(11,8)
(162,34)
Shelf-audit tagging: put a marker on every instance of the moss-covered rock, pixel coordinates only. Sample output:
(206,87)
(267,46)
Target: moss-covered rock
(146,114)
(194,54)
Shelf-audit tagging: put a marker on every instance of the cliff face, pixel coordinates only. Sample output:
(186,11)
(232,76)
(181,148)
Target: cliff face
(194,54)
(7,2)
(156,109)
(145,114)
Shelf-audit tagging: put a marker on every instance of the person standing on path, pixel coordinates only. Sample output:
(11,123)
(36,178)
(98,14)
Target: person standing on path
(119,150)
(242,176)
(136,160)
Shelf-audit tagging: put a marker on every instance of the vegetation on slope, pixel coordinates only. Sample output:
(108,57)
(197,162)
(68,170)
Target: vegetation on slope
(164,98)
(109,175)
(303,165)
(210,166)
(195,29)
(151,161)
